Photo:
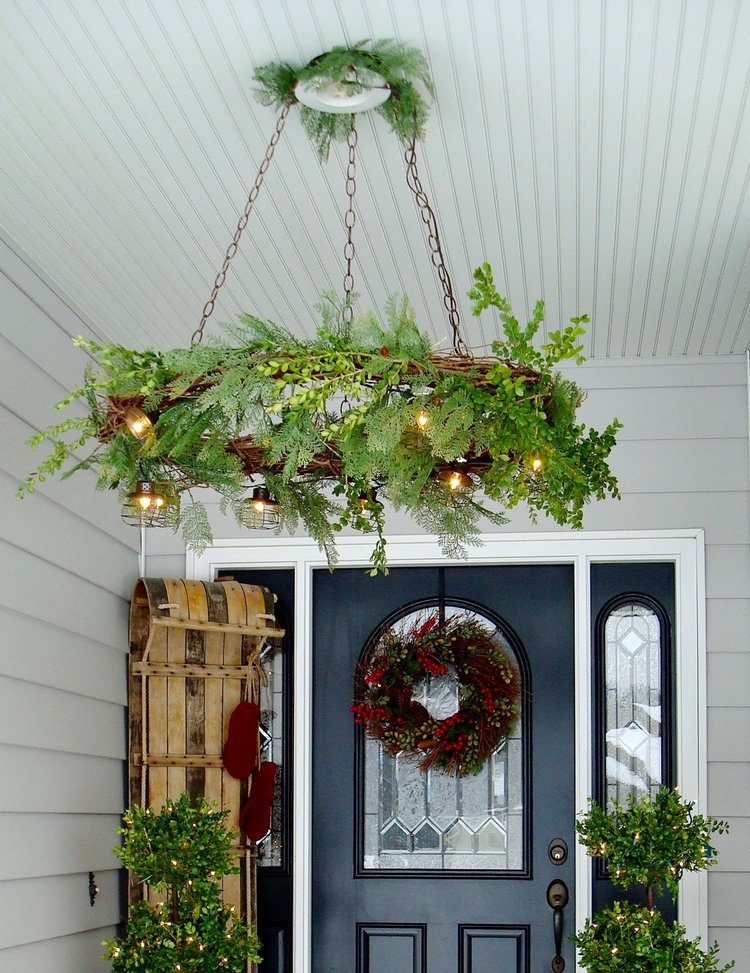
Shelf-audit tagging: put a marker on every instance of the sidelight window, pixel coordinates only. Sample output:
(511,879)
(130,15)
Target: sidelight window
(633,699)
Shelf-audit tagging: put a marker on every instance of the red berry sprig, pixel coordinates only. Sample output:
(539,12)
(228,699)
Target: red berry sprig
(430,664)
(374,676)
(364,712)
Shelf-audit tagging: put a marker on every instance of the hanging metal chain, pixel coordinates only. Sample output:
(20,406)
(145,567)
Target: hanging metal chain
(242,223)
(350,218)
(436,251)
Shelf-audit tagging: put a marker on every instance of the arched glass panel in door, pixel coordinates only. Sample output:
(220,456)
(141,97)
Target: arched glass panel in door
(413,820)
(633,699)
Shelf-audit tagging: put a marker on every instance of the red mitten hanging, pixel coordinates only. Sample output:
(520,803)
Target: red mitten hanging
(241,749)
(255,816)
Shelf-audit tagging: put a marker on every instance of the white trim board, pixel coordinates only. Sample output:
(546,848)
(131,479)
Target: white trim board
(683,547)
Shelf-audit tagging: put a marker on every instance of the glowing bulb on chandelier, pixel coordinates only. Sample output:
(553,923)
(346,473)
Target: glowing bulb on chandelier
(265,513)
(456,481)
(145,506)
(368,502)
(137,422)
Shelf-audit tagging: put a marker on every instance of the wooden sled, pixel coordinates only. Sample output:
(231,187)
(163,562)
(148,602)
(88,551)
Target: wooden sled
(193,645)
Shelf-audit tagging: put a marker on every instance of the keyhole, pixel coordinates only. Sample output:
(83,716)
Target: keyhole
(558,851)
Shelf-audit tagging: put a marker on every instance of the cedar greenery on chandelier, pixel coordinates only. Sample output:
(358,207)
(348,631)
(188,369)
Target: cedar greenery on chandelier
(325,431)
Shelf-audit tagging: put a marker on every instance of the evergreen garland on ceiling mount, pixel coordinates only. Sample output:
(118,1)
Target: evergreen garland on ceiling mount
(358,67)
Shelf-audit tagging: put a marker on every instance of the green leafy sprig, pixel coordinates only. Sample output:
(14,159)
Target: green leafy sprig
(356,67)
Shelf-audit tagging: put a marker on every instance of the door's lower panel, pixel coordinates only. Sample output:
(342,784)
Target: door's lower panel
(493,949)
(395,948)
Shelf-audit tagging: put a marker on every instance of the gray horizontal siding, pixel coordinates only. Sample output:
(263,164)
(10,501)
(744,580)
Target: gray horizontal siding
(53,719)
(68,566)
(61,659)
(37,845)
(34,780)
(79,951)
(729,675)
(729,789)
(55,906)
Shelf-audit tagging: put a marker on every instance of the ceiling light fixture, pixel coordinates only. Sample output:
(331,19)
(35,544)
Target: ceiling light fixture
(345,96)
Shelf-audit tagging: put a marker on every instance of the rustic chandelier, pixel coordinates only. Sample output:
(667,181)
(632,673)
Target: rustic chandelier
(324,431)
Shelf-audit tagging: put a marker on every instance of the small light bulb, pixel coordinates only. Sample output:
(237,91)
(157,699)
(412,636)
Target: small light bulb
(537,464)
(423,420)
(137,422)
(259,506)
(144,501)
(455,480)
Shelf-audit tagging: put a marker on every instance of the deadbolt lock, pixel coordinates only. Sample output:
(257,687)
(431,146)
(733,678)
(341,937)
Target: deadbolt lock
(557,851)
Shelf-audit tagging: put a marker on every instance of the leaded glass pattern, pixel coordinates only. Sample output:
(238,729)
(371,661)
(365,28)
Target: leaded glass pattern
(271,747)
(436,821)
(633,702)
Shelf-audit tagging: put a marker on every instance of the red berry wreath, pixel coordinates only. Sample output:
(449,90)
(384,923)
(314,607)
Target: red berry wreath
(488,691)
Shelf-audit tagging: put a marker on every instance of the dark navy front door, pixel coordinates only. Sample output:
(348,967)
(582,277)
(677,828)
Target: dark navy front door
(442,876)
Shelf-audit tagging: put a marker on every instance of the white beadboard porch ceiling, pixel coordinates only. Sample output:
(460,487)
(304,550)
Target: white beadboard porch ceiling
(594,151)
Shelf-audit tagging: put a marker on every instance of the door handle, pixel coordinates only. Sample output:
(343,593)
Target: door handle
(557,899)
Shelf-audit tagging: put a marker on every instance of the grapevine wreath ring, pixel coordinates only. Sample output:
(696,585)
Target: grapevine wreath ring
(489,686)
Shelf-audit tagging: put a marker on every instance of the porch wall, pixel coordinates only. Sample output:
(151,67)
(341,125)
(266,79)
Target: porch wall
(682,462)
(67,567)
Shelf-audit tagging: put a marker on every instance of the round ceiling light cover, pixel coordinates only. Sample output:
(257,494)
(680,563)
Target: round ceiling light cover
(343,97)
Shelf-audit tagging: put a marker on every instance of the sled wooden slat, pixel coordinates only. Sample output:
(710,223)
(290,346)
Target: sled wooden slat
(176,721)
(191,643)
(259,630)
(178,760)
(202,671)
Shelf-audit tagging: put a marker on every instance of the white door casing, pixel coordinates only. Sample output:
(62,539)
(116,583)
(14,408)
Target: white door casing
(684,548)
